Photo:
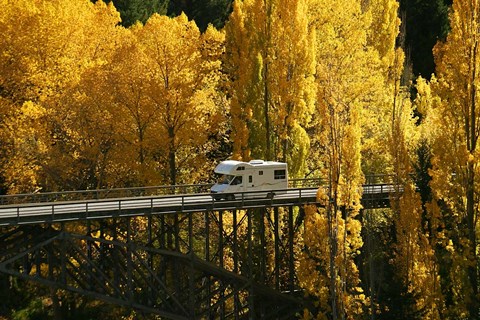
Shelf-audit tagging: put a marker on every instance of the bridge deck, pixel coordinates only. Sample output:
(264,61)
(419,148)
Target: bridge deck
(374,196)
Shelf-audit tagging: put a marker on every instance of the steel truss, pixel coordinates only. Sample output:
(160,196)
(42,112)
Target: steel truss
(210,265)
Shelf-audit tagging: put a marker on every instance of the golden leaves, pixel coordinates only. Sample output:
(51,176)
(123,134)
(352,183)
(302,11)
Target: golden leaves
(271,63)
(118,99)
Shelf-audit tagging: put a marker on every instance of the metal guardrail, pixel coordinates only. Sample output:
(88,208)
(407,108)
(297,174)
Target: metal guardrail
(31,213)
(102,194)
(371,190)
(374,196)
(113,193)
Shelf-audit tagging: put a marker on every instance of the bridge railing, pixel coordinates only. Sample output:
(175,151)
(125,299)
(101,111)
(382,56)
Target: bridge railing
(112,193)
(33,213)
(102,193)
(40,197)
(305,183)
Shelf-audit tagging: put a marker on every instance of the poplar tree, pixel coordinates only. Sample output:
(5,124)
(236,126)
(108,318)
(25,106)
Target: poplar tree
(292,92)
(454,127)
(270,61)
(390,139)
(346,83)
(378,114)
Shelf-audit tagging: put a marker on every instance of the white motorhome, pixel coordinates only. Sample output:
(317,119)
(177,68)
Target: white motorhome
(256,175)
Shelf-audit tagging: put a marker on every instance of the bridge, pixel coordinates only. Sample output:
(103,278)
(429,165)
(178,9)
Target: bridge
(172,251)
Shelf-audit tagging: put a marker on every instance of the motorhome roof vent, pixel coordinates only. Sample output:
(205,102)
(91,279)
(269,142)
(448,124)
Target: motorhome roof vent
(256,162)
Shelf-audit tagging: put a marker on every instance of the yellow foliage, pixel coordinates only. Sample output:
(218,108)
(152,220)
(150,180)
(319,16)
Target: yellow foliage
(45,47)
(348,79)
(271,61)
(415,258)
(120,111)
(384,29)
(183,89)
(314,266)
(450,104)
(27,128)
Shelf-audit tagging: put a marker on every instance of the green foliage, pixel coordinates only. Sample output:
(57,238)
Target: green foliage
(422,167)
(426,22)
(204,12)
(391,297)
(34,310)
(132,11)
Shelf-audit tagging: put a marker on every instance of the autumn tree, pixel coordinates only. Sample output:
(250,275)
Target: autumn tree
(270,61)
(377,120)
(346,83)
(453,126)
(127,141)
(45,48)
(181,85)
(391,140)
(132,115)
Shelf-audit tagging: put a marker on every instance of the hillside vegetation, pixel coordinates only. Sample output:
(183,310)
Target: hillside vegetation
(156,93)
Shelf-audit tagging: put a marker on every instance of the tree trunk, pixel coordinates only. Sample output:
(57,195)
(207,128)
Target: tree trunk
(471,133)
(332,231)
(171,156)
(472,269)
(268,152)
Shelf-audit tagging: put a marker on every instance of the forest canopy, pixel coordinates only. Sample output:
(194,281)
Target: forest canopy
(135,93)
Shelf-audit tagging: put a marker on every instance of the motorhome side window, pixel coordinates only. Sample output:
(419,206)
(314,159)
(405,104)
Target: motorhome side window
(240,168)
(279,174)
(260,173)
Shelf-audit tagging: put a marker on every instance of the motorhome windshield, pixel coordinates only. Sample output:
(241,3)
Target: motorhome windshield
(225,179)
(229,179)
